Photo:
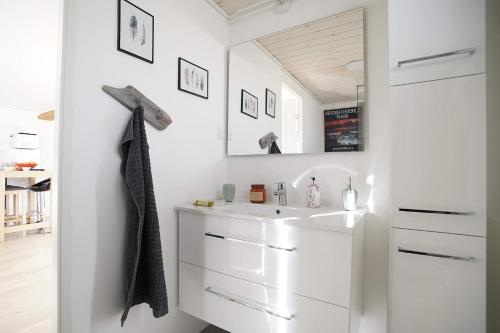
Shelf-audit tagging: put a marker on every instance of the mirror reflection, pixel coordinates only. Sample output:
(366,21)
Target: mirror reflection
(299,90)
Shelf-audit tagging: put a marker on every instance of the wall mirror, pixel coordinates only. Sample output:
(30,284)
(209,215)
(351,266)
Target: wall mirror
(300,90)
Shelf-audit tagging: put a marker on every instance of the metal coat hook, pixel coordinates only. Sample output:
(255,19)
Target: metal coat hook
(131,98)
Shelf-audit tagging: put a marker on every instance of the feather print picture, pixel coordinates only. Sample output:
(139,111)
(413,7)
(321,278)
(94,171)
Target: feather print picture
(192,79)
(135,31)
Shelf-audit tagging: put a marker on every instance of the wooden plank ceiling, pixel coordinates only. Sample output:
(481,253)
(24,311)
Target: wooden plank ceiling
(232,6)
(317,53)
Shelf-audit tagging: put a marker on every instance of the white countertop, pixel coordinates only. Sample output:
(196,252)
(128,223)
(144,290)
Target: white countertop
(325,218)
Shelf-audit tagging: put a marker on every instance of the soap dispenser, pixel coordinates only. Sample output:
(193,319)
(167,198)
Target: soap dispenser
(313,194)
(350,197)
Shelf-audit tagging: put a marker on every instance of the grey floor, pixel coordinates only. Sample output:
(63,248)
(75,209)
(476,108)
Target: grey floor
(213,329)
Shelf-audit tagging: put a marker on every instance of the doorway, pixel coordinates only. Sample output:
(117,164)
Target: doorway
(292,106)
(30,67)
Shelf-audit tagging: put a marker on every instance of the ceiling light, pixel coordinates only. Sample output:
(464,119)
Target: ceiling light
(355,65)
(282,6)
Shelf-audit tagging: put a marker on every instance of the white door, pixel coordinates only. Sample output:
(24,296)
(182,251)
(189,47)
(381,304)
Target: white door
(292,106)
(439,156)
(437,283)
(435,39)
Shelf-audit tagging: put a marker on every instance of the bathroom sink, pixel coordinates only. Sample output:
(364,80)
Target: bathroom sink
(329,218)
(264,211)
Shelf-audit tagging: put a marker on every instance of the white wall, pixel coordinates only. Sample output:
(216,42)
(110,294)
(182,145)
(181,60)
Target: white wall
(369,169)
(29,54)
(15,121)
(253,70)
(250,69)
(187,158)
(28,71)
(493,162)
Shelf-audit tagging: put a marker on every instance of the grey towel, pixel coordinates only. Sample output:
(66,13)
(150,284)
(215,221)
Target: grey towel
(145,279)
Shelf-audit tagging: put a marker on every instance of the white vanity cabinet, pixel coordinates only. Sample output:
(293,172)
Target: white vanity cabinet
(435,39)
(268,275)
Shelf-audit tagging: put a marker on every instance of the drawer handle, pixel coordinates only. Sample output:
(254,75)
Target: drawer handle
(249,304)
(442,212)
(289,249)
(437,56)
(436,255)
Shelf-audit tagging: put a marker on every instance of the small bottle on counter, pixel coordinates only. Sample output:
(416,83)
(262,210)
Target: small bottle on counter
(258,193)
(350,197)
(313,195)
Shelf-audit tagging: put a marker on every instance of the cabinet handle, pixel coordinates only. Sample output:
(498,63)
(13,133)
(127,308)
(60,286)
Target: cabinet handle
(261,244)
(437,56)
(436,255)
(442,212)
(249,304)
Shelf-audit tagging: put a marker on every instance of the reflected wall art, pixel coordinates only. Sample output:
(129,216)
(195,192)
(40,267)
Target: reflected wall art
(249,104)
(270,103)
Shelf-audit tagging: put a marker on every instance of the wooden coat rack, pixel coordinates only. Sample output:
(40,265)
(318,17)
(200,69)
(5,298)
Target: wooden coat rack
(131,98)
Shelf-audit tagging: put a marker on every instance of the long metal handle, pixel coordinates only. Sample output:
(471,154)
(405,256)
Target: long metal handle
(257,243)
(471,50)
(442,212)
(249,304)
(436,255)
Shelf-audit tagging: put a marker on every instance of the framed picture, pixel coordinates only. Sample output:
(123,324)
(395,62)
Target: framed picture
(249,104)
(270,103)
(341,128)
(135,31)
(192,79)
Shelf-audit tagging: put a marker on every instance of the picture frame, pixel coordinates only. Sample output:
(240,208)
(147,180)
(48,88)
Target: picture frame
(249,104)
(342,129)
(192,78)
(135,31)
(270,103)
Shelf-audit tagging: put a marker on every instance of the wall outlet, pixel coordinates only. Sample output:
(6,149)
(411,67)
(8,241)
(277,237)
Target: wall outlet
(220,132)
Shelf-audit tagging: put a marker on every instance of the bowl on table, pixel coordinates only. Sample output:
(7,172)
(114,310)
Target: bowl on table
(26,166)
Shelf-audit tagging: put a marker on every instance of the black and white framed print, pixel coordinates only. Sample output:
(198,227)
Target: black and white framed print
(270,103)
(135,31)
(192,79)
(249,104)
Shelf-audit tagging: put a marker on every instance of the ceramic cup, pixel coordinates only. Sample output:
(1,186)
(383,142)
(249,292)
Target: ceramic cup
(228,191)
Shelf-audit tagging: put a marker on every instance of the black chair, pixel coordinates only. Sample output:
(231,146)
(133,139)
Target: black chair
(39,188)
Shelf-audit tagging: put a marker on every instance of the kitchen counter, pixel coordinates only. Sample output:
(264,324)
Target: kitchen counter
(25,174)
(33,177)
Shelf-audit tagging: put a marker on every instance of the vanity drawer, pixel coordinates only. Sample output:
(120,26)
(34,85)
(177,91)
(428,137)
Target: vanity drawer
(308,262)
(239,306)
(437,282)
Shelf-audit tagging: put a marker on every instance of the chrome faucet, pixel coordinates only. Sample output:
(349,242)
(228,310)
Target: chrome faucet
(280,191)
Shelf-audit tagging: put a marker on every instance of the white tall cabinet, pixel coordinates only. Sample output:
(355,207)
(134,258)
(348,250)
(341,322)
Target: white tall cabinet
(435,39)
(438,185)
